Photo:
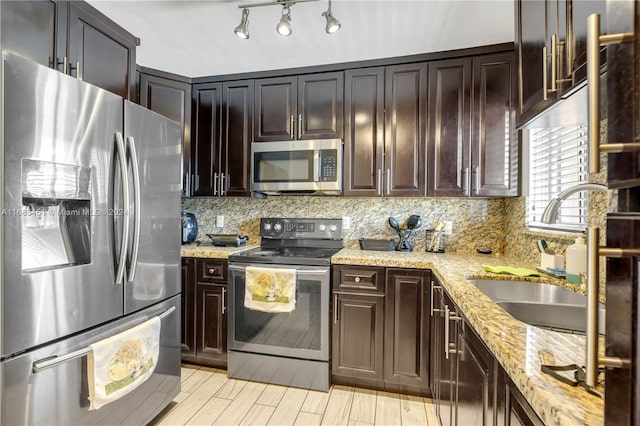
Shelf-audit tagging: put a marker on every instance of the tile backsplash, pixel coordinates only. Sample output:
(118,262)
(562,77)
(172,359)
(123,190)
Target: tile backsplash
(476,222)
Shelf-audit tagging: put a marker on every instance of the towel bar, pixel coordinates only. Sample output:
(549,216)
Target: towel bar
(56,360)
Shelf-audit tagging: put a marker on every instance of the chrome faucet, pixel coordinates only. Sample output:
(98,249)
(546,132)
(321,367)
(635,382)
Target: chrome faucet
(550,214)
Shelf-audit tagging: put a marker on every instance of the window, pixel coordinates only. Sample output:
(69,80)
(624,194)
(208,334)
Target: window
(558,159)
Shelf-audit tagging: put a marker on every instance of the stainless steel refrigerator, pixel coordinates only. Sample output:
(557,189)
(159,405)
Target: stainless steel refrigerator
(90,236)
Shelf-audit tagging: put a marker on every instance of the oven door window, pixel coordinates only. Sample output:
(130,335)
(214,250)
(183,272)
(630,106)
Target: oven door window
(284,166)
(302,333)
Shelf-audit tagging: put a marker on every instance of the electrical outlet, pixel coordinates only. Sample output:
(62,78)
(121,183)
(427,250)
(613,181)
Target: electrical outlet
(219,221)
(448,227)
(346,222)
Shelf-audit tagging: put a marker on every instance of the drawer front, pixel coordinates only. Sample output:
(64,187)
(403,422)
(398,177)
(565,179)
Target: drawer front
(212,270)
(369,279)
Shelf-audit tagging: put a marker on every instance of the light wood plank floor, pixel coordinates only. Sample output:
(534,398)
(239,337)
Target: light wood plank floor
(209,397)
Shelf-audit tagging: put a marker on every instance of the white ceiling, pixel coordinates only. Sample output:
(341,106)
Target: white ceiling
(195,38)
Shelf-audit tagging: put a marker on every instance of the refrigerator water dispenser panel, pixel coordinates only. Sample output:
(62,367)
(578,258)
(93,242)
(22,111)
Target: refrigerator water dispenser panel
(56,215)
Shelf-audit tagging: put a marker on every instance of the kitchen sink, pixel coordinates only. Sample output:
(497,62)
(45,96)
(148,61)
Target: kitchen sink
(541,305)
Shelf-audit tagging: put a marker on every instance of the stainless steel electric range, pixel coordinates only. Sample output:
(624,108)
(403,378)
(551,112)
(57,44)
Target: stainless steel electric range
(287,348)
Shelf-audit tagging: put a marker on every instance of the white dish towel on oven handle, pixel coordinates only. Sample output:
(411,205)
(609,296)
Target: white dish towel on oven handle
(270,289)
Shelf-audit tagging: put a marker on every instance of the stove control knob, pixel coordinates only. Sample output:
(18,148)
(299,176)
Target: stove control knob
(322,227)
(277,227)
(267,227)
(333,228)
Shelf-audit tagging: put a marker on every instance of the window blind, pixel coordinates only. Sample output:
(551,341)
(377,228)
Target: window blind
(558,159)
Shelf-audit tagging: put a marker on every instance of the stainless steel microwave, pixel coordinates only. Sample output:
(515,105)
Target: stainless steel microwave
(297,167)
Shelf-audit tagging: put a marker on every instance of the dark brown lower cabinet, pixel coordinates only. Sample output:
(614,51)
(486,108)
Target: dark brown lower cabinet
(204,327)
(476,378)
(358,336)
(381,328)
(406,327)
(187,334)
(469,386)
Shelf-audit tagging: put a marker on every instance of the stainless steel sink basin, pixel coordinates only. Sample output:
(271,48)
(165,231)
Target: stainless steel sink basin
(541,305)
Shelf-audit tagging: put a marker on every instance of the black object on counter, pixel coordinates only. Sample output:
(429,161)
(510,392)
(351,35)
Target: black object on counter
(377,245)
(189,227)
(414,222)
(227,240)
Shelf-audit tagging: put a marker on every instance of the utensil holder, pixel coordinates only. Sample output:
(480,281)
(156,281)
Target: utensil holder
(435,241)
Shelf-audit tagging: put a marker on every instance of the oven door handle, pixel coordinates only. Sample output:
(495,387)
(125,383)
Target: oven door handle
(298,271)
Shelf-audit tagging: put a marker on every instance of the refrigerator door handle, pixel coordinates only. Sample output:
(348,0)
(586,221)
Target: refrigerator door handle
(125,212)
(54,361)
(131,145)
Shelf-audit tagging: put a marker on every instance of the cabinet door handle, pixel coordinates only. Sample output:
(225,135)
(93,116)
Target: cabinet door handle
(222,184)
(380,192)
(215,183)
(446,331)
(465,181)
(554,64)
(433,287)
(335,308)
(293,126)
(65,64)
(224,301)
(544,72)
(388,181)
(476,172)
(299,126)
(77,69)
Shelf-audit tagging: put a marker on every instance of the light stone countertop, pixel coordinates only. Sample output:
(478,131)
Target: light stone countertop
(212,252)
(517,346)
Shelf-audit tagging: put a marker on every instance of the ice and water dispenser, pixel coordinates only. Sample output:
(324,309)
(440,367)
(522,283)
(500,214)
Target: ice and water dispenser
(56,215)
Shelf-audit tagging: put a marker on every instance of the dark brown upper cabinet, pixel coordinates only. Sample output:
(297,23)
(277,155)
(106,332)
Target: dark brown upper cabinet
(299,107)
(403,172)
(364,132)
(205,150)
(74,38)
(171,98)
(534,62)
(551,50)
(472,149)
(494,143)
(221,145)
(449,127)
(237,125)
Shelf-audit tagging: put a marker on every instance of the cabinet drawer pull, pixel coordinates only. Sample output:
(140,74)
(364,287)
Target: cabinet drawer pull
(212,271)
(357,279)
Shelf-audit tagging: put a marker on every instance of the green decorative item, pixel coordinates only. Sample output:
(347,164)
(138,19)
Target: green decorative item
(511,270)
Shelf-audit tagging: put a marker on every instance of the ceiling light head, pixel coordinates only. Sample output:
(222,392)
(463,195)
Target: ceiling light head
(284,26)
(333,25)
(242,30)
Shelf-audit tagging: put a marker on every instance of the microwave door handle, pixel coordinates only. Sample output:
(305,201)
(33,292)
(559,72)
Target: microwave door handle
(317,165)
(124,242)
(131,144)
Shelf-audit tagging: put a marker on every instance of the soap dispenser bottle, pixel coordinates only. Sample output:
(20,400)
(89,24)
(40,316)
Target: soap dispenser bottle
(576,260)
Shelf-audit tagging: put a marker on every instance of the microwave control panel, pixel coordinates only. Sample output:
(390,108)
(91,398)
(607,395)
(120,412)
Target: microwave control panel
(328,165)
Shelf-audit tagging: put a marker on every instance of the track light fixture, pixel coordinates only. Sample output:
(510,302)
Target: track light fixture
(242,30)
(333,24)
(284,26)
